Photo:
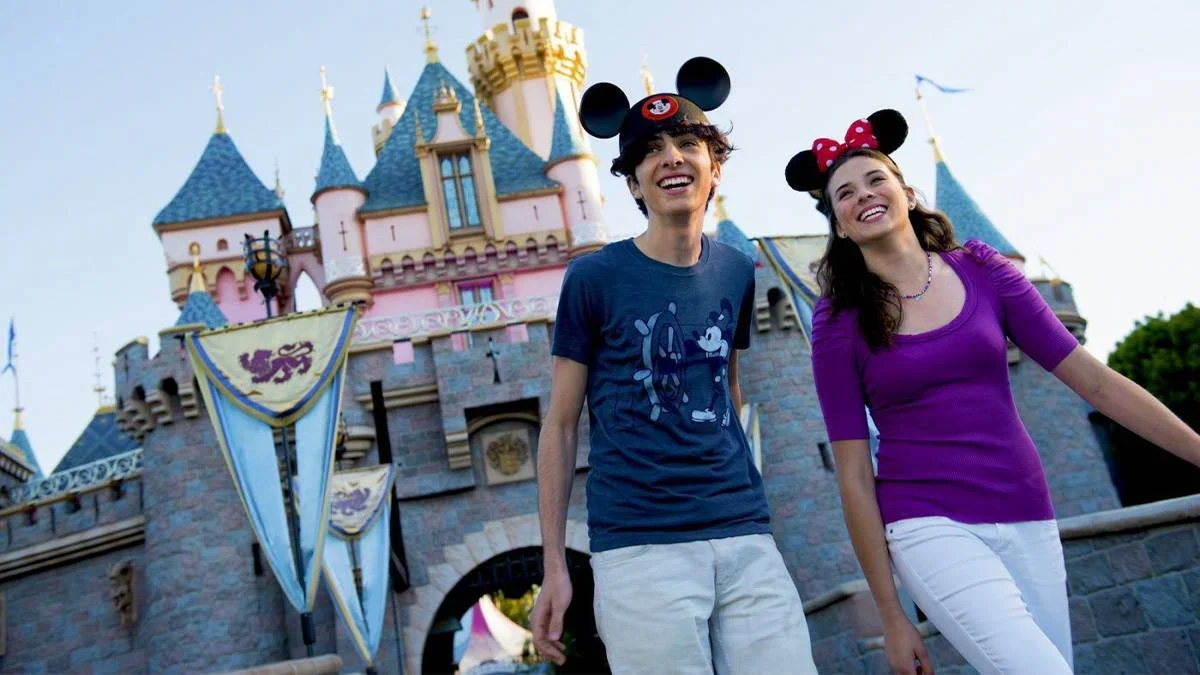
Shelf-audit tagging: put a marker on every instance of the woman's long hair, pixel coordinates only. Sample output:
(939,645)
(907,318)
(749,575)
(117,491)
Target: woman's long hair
(842,272)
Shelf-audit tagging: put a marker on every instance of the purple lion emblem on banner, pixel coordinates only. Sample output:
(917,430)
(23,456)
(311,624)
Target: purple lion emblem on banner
(280,364)
(348,504)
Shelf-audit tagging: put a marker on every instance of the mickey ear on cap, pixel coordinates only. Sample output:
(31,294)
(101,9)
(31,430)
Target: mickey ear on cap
(704,82)
(603,109)
(802,173)
(890,128)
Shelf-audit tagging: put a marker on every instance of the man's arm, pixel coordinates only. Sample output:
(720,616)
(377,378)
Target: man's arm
(557,446)
(735,385)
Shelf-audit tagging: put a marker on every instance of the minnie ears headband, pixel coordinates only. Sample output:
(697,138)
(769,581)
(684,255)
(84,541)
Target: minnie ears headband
(604,111)
(884,130)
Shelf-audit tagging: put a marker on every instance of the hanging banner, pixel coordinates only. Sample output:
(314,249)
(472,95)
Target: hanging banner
(258,377)
(358,549)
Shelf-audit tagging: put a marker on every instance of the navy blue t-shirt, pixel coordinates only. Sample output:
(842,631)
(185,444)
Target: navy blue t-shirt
(669,459)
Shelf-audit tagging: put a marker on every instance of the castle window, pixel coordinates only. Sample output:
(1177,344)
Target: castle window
(476,292)
(518,14)
(222,245)
(458,192)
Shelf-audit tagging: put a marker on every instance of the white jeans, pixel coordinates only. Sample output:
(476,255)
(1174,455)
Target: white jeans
(727,605)
(997,591)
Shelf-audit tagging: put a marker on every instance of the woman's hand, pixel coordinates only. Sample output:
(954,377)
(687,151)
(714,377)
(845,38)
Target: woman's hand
(905,649)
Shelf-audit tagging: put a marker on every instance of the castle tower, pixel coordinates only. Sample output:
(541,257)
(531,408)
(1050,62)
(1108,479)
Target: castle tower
(337,198)
(572,164)
(18,463)
(390,108)
(524,61)
(221,201)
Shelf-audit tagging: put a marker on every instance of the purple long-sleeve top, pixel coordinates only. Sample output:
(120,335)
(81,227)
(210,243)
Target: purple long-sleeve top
(950,440)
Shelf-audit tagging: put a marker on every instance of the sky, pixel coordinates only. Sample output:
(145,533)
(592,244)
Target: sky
(1074,138)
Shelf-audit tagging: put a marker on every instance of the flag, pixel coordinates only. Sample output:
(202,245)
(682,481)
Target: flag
(12,337)
(945,90)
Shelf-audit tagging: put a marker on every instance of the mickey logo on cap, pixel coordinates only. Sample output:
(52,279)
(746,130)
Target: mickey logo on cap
(604,110)
(660,108)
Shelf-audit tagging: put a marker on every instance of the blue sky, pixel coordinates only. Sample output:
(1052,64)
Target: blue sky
(1074,139)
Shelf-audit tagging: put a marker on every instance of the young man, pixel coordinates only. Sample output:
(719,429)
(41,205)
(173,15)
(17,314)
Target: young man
(687,576)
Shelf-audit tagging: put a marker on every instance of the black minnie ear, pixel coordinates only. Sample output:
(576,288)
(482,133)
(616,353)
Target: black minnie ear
(603,109)
(704,82)
(802,173)
(890,128)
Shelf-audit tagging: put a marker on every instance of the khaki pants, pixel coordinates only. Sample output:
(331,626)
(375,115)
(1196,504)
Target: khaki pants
(724,605)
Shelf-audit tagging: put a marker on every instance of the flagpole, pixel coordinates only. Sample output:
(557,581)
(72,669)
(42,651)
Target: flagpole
(933,139)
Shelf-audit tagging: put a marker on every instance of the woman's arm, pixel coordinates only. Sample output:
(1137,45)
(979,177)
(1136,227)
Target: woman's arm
(856,483)
(1128,404)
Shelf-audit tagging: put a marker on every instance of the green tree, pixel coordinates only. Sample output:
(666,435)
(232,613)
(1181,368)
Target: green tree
(1162,355)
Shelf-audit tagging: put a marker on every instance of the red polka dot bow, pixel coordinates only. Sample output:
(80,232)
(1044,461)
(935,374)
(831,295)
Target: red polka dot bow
(859,135)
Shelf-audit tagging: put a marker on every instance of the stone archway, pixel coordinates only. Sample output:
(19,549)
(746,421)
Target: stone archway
(497,537)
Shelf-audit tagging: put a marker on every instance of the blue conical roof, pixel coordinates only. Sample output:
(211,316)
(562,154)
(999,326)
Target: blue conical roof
(200,309)
(969,220)
(221,185)
(395,181)
(100,439)
(335,171)
(567,139)
(730,234)
(20,447)
(389,90)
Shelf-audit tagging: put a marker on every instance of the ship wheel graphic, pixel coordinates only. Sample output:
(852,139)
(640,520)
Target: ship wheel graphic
(662,372)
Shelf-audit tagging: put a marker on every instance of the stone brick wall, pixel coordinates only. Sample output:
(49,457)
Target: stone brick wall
(205,608)
(62,620)
(52,520)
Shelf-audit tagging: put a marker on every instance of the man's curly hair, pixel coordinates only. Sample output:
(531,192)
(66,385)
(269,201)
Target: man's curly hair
(717,141)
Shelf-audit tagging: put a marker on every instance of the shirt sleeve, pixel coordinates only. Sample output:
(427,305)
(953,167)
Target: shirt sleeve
(1027,319)
(837,375)
(741,334)
(574,325)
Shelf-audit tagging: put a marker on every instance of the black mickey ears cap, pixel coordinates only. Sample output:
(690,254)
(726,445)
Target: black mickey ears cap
(887,126)
(604,110)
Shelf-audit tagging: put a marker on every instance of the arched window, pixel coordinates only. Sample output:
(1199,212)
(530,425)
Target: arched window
(458,192)
(222,245)
(518,14)
(305,294)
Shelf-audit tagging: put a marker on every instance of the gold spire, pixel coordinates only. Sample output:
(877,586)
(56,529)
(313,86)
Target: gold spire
(933,139)
(99,387)
(647,78)
(217,90)
(278,184)
(197,285)
(431,53)
(17,424)
(722,214)
(327,101)
(1053,276)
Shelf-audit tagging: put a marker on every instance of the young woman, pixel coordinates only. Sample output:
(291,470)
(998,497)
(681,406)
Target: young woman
(912,326)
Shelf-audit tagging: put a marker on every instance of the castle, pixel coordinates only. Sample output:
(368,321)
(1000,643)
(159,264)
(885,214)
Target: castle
(134,554)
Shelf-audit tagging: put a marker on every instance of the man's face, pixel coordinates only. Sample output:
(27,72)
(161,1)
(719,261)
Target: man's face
(676,176)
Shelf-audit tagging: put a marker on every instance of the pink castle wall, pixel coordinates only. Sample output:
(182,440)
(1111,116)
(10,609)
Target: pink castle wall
(406,301)
(233,307)
(411,231)
(538,282)
(519,217)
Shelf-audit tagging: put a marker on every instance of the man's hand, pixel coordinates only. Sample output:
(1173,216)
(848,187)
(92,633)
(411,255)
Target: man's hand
(905,649)
(548,611)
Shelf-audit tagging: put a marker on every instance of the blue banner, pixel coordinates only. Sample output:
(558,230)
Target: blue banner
(921,79)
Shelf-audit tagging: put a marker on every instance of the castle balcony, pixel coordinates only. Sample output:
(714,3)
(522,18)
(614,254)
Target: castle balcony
(83,478)
(302,240)
(447,320)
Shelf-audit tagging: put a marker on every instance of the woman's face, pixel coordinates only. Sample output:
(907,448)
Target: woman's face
(869,202)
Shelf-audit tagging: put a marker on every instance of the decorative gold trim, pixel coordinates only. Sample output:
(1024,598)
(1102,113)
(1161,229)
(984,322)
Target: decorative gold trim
(402,211)
(178,225)
(526,194)
(482,422)
(578,155)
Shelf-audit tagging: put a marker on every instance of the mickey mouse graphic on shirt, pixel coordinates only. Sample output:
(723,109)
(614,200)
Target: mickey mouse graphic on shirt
(668,358)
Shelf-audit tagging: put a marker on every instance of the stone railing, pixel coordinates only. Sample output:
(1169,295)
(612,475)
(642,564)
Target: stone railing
(302,238)
(80,478)
(452,319)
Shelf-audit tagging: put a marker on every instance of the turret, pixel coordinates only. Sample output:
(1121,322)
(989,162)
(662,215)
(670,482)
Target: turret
(524,61)
(572,164)
(390,108)
(337,197)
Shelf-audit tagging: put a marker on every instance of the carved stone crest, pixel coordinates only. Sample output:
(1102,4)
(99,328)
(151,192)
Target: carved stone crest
(123,594)
(507,455)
